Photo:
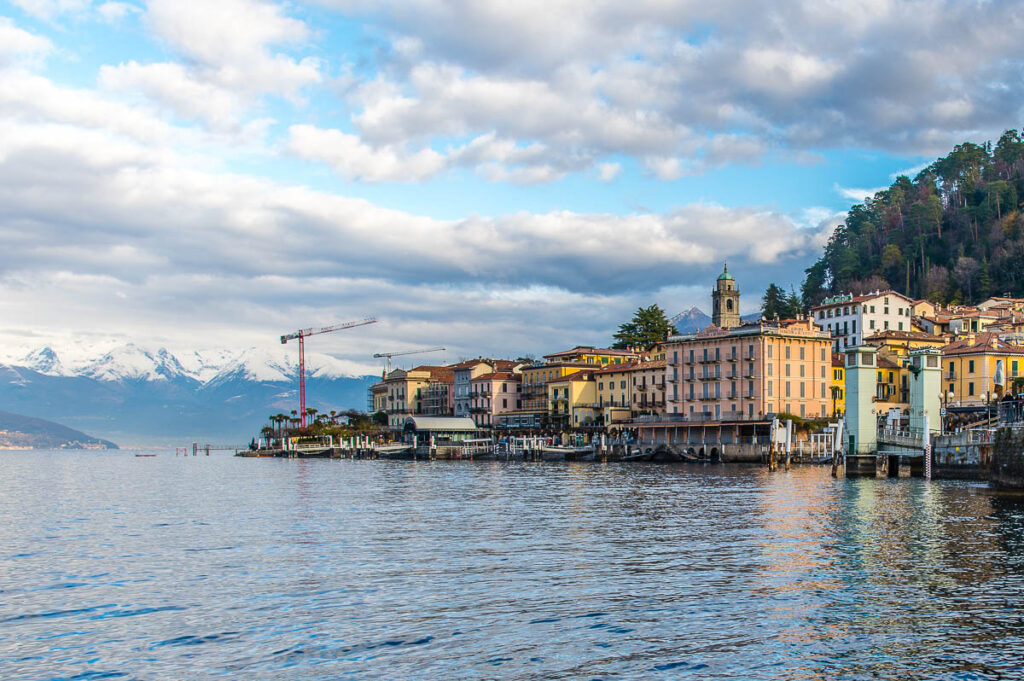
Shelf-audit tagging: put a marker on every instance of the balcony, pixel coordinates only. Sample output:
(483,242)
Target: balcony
(732,358)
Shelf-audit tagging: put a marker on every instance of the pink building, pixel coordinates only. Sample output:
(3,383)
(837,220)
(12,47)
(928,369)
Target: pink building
(493,394)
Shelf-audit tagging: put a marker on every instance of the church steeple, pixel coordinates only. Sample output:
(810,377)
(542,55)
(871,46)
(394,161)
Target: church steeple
(725,301)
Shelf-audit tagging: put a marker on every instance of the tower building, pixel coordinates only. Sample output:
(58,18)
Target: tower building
(725,301)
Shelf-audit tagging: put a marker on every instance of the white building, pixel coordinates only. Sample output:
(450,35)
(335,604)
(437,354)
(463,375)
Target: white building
(851,318)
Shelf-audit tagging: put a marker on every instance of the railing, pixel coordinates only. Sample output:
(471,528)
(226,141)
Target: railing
(903,438)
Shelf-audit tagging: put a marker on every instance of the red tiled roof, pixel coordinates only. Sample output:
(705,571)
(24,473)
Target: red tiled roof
(442,374)
(983,343)
(498,376)
(589,349)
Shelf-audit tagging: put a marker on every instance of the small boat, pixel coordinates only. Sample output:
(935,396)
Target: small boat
(562,453)
(145,456)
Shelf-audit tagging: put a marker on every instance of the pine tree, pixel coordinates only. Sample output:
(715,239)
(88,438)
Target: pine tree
(648,326)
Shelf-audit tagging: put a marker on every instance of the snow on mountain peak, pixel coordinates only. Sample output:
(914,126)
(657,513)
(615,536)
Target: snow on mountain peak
(130,362)
(44,361)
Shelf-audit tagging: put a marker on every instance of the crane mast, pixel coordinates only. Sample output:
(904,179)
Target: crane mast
(301,336)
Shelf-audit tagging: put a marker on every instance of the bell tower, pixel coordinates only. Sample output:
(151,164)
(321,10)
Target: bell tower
(725,301)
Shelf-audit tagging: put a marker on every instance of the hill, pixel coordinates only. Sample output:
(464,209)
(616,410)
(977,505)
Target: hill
(26,432)
(952,234)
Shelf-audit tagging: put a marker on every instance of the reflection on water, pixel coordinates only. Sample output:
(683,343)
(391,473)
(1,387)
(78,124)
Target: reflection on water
(170,568)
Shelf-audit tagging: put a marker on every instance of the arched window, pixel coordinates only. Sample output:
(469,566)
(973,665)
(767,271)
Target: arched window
(728,305)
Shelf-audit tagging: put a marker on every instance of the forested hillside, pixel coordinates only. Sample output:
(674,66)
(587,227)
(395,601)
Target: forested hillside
(953,234)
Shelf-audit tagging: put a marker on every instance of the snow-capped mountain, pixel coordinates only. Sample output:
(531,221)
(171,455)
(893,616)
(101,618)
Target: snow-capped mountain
(45,361)
(129,392)
(132,363)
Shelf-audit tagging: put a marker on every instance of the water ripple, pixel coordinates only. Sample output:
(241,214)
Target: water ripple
(306,570)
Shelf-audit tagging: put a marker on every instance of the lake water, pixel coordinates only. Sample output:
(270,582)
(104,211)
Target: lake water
(113,566)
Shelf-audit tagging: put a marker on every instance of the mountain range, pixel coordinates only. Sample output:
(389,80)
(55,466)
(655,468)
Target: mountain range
(139,395)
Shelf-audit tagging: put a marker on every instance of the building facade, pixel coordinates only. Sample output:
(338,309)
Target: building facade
(407,388)
(981,368)
(850,318)
(463,374)
(492,395)
(750,373)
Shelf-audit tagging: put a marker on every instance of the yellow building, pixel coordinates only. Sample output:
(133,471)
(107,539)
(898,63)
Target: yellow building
(972,366)
(572,401)
(900,343)
(837,389)
(615,392)
(378,397)
(587,354)
(534,398)
(892,390)
(409,391)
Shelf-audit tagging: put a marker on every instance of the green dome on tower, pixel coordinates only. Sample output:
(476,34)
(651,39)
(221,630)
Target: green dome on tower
(725,276)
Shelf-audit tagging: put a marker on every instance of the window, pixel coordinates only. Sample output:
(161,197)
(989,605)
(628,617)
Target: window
(871,323)
(787,390)
(887,325)
(853,326)
(901,326)
(823,354)
(691,356)
(718,354)
(769,351)
(801,352)
(970,388)
(705,354)
(802,389)
(675,357)
(787,370)
(802,366)
(872,309)
(770,388)
(622,385)
(970,366)
(787,352)
(769,369)
(504,404)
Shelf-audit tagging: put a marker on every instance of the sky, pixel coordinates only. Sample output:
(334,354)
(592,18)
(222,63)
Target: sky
(499,178)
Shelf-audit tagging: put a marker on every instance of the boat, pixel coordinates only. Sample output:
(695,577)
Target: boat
(563,453)
(145,456)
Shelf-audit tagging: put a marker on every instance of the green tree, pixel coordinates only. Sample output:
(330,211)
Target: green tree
(648,326)
(774,303)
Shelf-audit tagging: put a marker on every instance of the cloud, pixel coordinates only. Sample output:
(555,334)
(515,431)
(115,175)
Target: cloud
(230,60)
(176,88)
(857,195)
(353,159)
(113,12)
(609,171)
(49,9)
(683,86)
(230,43)
(19,47)
(106,226)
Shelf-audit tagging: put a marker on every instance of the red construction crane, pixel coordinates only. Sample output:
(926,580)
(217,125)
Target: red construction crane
(301,335)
